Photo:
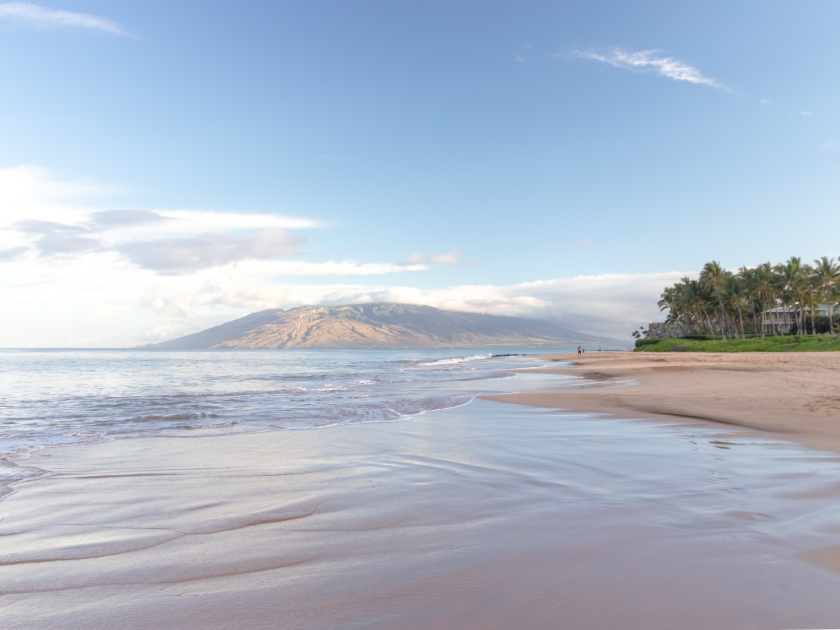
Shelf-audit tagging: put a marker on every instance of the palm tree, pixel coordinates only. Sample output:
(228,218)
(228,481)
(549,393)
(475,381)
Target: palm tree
(717,300)
(789,280)
(827,275)
(714,276)
(809,284)
(669,301)
(765,285)
(736,293)
(766,278)
(752,293)
(696,305)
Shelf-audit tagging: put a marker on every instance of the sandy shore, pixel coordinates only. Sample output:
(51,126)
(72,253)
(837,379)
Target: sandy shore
(484,516)
(792,395)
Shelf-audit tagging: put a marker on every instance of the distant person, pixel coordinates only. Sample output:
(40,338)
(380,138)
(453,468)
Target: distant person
(599,348)
(580,350)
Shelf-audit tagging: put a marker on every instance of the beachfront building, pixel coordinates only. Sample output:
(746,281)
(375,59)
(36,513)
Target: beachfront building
(782,319)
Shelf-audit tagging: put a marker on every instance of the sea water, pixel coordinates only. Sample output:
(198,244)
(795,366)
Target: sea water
(63,397)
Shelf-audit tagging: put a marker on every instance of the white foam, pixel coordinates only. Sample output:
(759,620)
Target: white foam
(457,360)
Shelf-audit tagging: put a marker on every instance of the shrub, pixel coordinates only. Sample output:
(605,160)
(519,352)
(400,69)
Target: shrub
(646,342)
(821,343)
(820,323)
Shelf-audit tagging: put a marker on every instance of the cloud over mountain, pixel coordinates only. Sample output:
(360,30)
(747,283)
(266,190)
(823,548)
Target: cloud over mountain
(184,255)
(137,271)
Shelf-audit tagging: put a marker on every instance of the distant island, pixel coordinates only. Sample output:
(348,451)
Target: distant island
(381,325)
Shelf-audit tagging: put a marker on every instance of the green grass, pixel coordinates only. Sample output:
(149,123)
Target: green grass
(820,343)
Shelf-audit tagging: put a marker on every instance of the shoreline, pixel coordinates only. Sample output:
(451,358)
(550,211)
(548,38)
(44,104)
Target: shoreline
(476,517)
(18,449)
(793,395)
(479,516)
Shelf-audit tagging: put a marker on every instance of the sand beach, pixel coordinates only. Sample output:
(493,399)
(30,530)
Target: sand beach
(487,515)
(791,395)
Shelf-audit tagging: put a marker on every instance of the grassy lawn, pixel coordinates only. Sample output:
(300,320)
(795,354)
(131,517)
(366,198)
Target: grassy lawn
(820,343)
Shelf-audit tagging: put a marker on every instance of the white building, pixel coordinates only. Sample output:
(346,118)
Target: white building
(782,319)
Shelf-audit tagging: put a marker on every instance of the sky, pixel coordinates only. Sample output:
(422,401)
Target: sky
(168,166)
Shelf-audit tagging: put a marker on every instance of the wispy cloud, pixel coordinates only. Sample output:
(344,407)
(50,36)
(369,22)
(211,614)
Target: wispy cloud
(185,255)
(447,259)
(110,219)
(12,253)
(651,60)
(586,244)
(56,239)
(44,220)
(807,114)
(40,16)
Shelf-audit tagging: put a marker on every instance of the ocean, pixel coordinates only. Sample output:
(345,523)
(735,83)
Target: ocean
(64,397)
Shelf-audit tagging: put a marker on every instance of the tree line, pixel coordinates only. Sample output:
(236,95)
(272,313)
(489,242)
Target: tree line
(726,304)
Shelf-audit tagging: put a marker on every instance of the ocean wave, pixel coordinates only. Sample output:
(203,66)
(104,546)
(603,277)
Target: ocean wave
(173,395)
(456,360)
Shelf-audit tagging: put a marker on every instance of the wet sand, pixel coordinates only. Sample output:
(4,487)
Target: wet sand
(484,516)
(791,395)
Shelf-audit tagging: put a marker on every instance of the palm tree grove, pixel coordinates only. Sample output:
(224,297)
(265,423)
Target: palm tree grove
(790,299)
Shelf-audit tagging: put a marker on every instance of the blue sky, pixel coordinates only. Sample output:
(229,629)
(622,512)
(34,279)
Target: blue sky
(453,153)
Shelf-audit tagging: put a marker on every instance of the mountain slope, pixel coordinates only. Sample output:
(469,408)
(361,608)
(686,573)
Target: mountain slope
(375,326)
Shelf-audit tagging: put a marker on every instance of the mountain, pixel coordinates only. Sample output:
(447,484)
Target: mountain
(377,326)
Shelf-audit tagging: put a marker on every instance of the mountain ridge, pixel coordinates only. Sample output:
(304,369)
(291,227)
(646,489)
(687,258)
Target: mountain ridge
(379,325)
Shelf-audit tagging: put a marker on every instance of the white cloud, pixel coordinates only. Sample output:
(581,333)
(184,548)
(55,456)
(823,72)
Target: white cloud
(607,304)
(192,220)
(765,101)
(586,244)
(806,113)
(69,273)
(184,255)
(337,268)
(73,268)
(40,16)
(99,295)
(651,60)
(64,244)
(51,218)
(28,192)
(114,219)
(12,253)
(447,258)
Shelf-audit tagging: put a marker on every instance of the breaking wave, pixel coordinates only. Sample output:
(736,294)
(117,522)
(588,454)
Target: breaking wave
(457,360)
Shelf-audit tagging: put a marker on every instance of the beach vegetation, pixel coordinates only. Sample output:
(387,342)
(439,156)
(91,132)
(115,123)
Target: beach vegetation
(787,299)
(780,343)
(646,342)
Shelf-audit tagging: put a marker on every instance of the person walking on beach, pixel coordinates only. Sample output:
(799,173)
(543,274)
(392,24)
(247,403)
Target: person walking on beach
(580,350)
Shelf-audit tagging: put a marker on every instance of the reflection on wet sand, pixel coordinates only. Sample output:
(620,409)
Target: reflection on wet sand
(484,516)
